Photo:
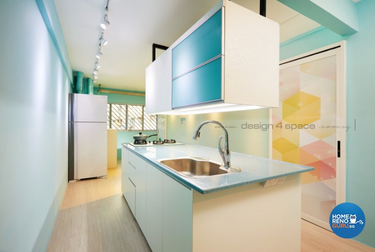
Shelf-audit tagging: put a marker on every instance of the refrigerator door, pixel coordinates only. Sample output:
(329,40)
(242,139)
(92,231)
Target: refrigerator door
(90,150)
(89,108)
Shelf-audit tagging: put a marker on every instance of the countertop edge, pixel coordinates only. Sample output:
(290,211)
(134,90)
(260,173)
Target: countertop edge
(187,184)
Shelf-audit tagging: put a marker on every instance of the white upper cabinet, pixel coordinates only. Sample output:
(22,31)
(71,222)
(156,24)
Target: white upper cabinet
(227,61)
(158,84)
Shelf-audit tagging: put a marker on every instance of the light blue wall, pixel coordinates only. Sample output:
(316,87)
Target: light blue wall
(309,41)
(34,87)
(125,136)
(343,10)
(360,107)
(339,16)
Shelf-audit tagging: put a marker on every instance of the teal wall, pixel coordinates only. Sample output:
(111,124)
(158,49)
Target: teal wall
(360,107)
(125,136)
(309,41)
(34,87)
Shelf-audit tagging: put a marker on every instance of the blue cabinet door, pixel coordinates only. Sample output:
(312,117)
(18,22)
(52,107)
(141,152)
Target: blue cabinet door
(196,65)
(199,86)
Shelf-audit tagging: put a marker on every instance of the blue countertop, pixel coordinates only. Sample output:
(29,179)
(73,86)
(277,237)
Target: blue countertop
(253,169)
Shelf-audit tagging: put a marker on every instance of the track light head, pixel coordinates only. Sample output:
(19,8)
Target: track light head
(102,41)
(105,22)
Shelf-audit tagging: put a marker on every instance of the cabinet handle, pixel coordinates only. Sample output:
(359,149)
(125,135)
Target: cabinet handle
(131,182)
(200,65)
(132,165)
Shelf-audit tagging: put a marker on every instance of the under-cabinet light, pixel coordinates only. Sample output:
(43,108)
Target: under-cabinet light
(214,108)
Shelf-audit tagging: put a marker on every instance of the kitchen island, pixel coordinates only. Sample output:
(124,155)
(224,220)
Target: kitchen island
(257,209)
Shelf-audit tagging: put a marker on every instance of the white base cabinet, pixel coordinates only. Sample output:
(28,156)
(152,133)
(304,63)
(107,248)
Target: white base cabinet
(177,216)
(162,206)
(246,218)
(154,212)
(127,186)
(141,194)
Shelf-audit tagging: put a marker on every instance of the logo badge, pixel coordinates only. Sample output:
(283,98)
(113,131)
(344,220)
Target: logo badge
(347,220)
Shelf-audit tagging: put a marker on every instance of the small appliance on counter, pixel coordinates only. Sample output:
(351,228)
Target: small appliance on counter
(144,142)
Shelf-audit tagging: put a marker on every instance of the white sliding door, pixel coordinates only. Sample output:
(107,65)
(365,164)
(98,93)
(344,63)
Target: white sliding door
(309,128)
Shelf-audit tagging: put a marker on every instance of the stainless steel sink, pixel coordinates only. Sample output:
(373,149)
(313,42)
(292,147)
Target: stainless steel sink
(196,167)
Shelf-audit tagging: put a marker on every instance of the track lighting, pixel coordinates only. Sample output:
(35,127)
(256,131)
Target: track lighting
(105,22)
(102,41)
(98,54)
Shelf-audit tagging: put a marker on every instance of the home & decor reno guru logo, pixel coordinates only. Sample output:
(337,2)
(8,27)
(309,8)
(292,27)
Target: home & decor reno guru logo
(347,220)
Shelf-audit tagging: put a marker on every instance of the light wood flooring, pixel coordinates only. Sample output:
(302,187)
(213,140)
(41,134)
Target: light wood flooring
(95,217)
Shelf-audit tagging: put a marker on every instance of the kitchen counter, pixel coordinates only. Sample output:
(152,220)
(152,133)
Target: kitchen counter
(253,169)
(248,214)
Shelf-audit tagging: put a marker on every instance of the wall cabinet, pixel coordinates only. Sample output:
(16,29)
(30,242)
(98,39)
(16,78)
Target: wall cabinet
(196,65)
(158,203)
(227,61)
(158,84)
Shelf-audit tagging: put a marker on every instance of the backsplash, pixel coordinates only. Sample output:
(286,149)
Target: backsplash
(248,130)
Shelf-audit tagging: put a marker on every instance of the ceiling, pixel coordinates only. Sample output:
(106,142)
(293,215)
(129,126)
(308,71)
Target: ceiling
(136,25)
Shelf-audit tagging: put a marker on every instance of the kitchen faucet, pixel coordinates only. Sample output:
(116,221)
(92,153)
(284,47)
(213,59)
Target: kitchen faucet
(224,152)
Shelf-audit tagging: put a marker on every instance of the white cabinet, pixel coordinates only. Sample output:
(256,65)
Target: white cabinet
(127,185)
(227,61)
(161,205)
(177,216)
(154,233)
(158,84)
(141,194)
(135,183)
(130,194)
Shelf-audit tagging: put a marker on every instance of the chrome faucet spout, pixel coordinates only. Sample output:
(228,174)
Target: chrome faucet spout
(223,151)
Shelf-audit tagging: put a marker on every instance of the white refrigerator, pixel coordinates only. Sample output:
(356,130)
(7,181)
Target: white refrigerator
(87,136)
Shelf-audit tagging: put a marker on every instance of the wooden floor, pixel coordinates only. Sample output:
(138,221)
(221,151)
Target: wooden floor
(95,217)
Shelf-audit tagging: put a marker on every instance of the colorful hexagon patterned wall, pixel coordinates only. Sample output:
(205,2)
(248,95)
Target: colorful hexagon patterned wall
(304,130)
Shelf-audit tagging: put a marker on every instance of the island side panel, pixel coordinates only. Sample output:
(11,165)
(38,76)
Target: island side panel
(249,218)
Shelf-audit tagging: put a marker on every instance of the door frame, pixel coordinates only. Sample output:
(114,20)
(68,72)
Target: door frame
(340,49)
